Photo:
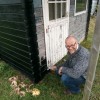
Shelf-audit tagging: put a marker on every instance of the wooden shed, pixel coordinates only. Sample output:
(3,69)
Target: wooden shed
(33,32)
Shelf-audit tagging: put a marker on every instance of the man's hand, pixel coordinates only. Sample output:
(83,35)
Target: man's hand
(53,68)
(60,71)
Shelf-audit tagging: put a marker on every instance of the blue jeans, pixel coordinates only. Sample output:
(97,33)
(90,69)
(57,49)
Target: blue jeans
(71,83)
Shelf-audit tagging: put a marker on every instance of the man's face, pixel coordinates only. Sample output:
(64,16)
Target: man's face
(71,46)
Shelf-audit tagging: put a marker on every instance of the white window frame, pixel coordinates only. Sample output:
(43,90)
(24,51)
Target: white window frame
(81,12)
(56,19)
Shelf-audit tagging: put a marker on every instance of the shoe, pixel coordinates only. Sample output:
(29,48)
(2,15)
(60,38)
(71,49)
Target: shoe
(67,92)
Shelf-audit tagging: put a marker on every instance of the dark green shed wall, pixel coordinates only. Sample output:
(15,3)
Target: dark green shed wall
(18,39)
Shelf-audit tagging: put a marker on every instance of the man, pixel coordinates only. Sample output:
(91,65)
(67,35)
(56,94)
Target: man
(73,71)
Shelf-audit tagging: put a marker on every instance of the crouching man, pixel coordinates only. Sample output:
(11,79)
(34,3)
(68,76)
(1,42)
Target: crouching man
(73,71)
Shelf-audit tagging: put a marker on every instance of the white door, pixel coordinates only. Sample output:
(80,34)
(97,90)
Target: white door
(56,24)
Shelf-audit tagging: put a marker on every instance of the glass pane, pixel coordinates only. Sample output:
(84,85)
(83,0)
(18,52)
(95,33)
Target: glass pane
(63,9)
(58,10)
(80,5)
(51,11)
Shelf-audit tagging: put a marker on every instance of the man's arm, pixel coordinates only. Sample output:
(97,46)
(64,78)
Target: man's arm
(78,69)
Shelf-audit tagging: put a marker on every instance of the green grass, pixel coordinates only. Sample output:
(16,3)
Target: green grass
(50,87)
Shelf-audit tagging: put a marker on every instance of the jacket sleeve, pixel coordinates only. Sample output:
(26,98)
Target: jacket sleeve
(78,69)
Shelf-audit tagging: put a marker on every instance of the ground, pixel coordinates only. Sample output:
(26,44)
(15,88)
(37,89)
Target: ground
(50,87)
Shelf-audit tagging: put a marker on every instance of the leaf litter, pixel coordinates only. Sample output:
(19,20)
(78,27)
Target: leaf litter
(20,88)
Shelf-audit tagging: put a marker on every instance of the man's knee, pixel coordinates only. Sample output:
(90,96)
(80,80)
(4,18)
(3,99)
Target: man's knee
(64,78)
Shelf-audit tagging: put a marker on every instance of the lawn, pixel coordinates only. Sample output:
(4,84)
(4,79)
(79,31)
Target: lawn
(50,87)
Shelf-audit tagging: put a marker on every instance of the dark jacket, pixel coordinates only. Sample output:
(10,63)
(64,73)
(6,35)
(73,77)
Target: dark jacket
(77,63)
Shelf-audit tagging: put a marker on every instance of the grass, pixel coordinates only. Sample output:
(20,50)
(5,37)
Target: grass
(50,87)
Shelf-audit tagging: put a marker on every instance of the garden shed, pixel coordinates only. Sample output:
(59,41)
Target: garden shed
(33,32)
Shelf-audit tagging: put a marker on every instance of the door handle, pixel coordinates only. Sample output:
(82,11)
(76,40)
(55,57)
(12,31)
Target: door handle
(47,29)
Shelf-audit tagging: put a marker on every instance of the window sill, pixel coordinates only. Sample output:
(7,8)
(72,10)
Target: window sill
(79,13)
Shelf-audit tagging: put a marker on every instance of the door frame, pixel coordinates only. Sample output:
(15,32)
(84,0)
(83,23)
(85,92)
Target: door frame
(47,22)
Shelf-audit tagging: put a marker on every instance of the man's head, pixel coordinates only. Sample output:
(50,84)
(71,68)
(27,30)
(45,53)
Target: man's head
(71,44)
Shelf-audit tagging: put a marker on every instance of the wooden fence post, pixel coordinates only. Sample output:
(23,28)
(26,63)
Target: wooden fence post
(94,54)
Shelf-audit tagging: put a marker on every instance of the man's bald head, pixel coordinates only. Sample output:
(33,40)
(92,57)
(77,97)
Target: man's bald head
(71,39)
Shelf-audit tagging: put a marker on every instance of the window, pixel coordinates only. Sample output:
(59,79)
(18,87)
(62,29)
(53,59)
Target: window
(57,9)
(80,6)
